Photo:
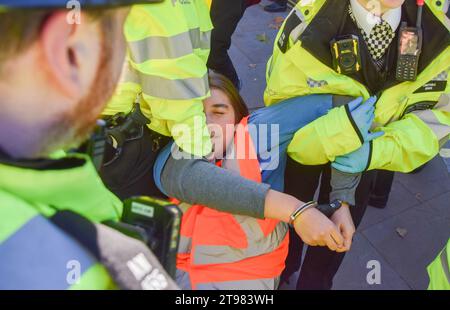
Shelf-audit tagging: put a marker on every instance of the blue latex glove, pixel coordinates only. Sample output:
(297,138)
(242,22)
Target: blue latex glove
(363,114)
(354,162)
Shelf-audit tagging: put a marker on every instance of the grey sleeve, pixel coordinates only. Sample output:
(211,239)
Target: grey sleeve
(196,181)
(343,186)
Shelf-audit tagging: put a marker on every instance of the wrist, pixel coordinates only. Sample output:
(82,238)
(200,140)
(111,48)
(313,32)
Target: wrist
(279,206)
(329,209)
(354,125)
(300,210)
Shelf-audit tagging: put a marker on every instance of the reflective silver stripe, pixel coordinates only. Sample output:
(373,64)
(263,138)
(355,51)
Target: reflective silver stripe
(444,262)
(159,47)
(441,131)
(185,245)
(259,284)
(181,89)
(445,9)
(219,254)
(183,280)
(300,28)
(200,39)
(129,74)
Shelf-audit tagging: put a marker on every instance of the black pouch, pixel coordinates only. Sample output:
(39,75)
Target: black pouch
(128,169)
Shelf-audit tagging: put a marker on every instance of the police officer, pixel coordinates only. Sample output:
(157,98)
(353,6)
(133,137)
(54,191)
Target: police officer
(58,68)
(414,114)
(168,47)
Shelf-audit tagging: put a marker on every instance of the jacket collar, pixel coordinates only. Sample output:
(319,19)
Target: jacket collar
(69,183)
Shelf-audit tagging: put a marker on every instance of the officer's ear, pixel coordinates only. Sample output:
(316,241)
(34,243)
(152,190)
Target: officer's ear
(70,53)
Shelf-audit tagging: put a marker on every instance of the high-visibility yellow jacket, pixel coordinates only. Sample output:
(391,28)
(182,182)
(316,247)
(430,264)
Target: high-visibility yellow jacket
(414,131)
(34,253)
(439,272)
(168,47)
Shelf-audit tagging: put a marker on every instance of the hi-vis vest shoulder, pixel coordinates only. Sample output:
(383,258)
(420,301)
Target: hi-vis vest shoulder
(439,270)
(36,254)
(223,251)
(168,47)
(51,236)
(415,116)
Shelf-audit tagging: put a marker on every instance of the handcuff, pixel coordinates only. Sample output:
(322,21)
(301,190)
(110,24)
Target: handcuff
(326,209)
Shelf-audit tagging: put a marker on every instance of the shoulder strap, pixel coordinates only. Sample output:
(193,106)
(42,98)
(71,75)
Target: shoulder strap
(129,261)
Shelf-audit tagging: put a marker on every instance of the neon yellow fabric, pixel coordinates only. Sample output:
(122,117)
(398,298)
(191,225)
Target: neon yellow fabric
(169,46)
(26,193)
(438,271)
(96,277)
(408,143)
(329,136)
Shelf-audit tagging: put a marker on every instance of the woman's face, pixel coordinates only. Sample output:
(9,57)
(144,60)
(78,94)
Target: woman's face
(220,117)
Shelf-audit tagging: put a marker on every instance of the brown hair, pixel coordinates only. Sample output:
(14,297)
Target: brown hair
(220,82)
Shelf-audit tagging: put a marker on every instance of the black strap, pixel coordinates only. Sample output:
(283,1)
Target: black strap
(341,100)
(292,21)
(129,261)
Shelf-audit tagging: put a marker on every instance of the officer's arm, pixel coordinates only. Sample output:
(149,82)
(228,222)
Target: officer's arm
(186,123)
(410,142)
(174,83)
(126,92)
(325,138)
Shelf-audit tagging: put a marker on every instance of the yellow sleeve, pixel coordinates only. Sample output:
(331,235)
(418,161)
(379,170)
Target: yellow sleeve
(125,93)
(410,142)
(185,121)
(327,137)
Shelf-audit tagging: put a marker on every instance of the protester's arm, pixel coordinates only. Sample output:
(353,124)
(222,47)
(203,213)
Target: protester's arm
(197,181)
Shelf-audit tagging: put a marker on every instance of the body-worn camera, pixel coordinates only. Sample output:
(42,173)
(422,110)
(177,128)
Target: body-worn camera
(156,223)
(345,53)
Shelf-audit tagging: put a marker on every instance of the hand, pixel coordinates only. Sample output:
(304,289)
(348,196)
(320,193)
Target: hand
(316,229)
(363,115)
(354,162)
(343,220)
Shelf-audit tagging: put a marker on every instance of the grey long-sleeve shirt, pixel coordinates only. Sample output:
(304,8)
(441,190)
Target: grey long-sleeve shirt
(196,181)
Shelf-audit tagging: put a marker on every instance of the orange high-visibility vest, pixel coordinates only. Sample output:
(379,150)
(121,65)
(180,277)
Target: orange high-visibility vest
(219,250)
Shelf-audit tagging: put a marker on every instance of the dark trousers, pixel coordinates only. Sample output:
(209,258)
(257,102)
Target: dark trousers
(382,188)
(320,264)
(225,16)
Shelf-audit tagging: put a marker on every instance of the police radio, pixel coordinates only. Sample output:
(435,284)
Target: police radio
(409,48)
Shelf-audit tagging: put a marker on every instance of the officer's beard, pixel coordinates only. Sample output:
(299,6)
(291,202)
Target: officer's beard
(74,127)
